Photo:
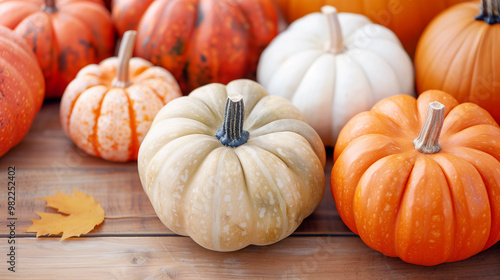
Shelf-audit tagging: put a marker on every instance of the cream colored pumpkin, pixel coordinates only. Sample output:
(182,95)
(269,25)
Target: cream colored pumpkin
(226,198)
(333,66)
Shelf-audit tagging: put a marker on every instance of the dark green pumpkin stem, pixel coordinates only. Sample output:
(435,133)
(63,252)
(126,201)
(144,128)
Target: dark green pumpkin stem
(428,140)
(49,6)
(231,132)
(490,11)
(124,55)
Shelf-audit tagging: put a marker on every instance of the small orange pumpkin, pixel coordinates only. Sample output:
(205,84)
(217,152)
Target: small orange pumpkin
(21,89)
(458,53)
(422,188)
(201,41)
(65,35)
(108,108)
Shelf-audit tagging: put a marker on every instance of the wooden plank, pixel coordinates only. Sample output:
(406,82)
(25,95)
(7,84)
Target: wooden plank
(181,258)
(47,161)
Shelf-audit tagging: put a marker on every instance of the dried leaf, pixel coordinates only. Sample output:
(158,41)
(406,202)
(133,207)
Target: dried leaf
(83,213)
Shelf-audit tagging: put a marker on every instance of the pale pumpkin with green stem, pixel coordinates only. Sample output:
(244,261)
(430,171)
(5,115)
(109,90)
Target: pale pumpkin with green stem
(231,166)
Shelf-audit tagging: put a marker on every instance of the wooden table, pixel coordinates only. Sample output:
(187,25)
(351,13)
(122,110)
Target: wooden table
(141,247)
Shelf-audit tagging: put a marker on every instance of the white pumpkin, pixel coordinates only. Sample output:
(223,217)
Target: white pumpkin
(230,175)
(333,66)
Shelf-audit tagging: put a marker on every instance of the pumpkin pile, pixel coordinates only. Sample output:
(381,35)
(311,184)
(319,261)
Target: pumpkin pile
(227,111)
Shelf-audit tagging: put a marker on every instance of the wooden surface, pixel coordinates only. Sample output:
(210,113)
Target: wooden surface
(141,247)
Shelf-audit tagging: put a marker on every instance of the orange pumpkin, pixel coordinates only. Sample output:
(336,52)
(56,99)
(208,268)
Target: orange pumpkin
(458,53)
(201,41)
(407,18)
(421,186)
(65,35)
(21,89)
(108,108)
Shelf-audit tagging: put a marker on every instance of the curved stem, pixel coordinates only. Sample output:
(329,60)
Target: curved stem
(490,11)
(231,132)
(124,55)
(49,6)
(335,44)
(428,140)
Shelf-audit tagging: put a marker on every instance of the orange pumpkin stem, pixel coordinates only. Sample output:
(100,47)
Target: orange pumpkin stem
(49,6)
(124,55)
(490,11)
(231,133)
(428,140)
(335,44)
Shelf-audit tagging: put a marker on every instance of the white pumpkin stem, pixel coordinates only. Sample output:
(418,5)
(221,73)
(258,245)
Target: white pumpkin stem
(428,140)
(49,6)
(231,132)
(490,11)
(335,44)
(124,55)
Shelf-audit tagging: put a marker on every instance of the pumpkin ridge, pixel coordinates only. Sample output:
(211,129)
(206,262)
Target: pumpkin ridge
(16,133)
(73,103)
(272,184)
(420,157)
(457,255)
(152,89)
(299,82)
(456,59)
(489,189)
(216,205)
(94,137)
(134,141)
(479,47)
(439,54)
(152,187)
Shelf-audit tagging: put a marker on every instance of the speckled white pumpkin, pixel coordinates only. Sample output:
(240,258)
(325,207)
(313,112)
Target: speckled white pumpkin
(226,198)
(333,66)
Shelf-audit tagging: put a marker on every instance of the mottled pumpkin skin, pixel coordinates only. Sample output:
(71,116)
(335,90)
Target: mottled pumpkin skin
(202,41)
(78,33)
(22,89)
(111,122)
(226,198)
(424,208)
(460,55)
(407,18)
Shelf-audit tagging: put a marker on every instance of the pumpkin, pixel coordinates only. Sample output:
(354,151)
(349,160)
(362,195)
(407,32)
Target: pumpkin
(201,42)
(458,53)
(108,108)
(231,166)
(407,18)
(65,35)
(334,65)
(22,89)
(418,178)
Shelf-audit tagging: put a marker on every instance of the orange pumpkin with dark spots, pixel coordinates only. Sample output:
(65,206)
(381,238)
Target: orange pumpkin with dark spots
(200,41)
(21,89)
(65,35)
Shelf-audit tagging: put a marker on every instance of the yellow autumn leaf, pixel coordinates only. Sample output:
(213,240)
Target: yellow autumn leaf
(83,213)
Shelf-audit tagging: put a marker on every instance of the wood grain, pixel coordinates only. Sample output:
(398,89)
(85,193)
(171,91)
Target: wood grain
(141,247)
(181,258)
